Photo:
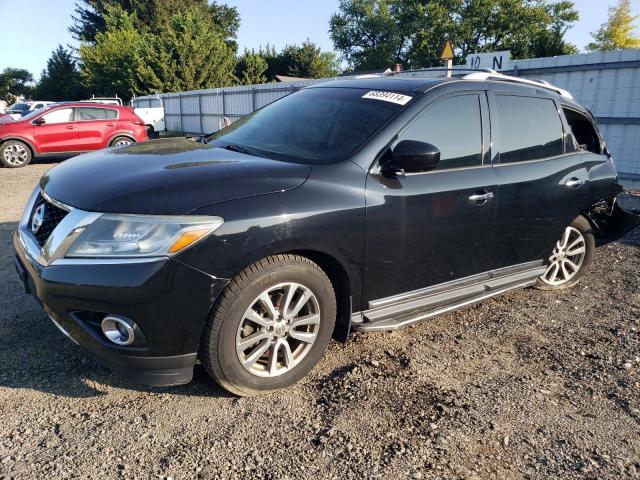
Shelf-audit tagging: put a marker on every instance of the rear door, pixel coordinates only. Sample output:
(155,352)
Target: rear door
(428,228)
(542,186)
(58,133)
(96,126)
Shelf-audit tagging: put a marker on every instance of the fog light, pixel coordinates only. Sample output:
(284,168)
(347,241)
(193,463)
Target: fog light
(118,330)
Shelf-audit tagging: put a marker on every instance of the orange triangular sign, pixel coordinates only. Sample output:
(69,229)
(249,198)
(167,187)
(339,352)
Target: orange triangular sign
(447,51)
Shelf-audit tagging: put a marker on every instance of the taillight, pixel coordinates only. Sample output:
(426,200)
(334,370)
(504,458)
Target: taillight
(137,122)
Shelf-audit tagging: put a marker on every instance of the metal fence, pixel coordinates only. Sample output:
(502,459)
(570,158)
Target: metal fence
(608,83)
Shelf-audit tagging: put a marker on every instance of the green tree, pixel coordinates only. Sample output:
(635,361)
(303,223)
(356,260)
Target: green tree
(15,82)
(617,31)
(251,68)
(60,80)
(375,34)
(90,16)
(186,53)
(308,61)
(369,33)
(114,64)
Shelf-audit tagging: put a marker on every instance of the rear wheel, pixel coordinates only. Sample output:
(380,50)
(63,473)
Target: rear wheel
(571,257)
(121,141)
(15,154)
(271,326)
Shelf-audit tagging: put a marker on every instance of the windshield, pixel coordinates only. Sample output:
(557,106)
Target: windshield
(19,107)
(315,126)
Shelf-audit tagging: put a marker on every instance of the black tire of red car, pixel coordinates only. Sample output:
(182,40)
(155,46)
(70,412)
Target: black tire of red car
(118,141)
(580,227)
(15,154)
(218,350)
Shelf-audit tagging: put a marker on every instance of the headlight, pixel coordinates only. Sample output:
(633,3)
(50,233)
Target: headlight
(141,235)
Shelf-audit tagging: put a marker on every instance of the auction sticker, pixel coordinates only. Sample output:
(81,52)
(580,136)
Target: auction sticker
(391,97)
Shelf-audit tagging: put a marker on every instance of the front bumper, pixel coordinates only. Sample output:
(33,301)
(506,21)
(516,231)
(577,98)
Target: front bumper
(168,301)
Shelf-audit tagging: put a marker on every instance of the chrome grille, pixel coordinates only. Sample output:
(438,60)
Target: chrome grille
(53,215)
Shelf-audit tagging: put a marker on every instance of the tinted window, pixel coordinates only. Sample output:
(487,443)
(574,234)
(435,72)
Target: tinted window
(454,126)
(529,128)
(85,114)
(21,107)
(61,115)
(110,113)
(318,125)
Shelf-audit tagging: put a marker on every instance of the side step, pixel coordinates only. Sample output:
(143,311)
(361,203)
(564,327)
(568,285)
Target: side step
(398,311)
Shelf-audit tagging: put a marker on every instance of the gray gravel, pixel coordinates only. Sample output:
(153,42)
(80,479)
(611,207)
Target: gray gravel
(530,385)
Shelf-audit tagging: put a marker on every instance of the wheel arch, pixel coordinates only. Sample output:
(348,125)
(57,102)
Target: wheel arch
(341,283)
(34,152)
(121,134)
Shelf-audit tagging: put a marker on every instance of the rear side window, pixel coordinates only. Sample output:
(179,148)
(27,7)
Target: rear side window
(454,126)
(583,133)
(95,113)
(529,128)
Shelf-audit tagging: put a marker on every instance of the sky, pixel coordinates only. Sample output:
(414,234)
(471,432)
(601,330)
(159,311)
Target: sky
(33,28)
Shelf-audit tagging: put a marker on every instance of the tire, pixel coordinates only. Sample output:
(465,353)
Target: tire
(121,141)
(240,304)
(581,236)
(15,154)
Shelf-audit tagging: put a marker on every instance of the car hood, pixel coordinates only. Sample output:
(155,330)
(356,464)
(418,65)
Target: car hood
(166,177)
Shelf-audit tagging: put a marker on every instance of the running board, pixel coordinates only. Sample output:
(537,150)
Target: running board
(398,311)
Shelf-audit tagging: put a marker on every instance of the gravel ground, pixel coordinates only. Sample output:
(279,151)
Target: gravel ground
(530,385)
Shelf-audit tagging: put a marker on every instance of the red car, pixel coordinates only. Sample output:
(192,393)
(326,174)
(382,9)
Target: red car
(67,128)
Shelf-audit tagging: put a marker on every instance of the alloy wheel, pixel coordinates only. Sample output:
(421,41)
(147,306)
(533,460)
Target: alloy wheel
(566,259)
(122,142)
(15,154)
(278,329)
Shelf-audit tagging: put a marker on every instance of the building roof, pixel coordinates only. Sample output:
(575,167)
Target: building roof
(285,78)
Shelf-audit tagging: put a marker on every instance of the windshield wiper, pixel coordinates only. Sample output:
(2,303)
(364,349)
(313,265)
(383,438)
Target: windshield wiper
(240,149)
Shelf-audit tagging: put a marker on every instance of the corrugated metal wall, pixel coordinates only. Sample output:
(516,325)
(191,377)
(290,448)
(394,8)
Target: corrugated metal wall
(608,83)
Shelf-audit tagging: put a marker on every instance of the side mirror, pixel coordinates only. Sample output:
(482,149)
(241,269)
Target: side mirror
(39,121)
(411,156)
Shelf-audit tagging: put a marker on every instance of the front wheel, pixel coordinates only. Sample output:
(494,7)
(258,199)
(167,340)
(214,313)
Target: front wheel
(271,325)
(15,154)
(571,257)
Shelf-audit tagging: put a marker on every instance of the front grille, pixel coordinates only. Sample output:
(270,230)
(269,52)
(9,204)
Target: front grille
(53,215)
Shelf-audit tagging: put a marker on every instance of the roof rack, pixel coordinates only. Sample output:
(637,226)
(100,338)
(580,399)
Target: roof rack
(493,75)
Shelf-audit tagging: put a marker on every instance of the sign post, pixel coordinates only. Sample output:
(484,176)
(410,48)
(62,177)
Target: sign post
(447,56)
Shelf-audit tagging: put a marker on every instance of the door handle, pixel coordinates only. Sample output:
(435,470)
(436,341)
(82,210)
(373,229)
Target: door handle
(111,124)
(574,182)
(70,127)
(481,198)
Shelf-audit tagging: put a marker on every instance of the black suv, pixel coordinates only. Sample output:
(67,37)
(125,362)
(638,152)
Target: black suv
(366,204)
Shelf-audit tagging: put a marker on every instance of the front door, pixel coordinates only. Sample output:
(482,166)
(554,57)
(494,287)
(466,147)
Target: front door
(58,133)
(437,226)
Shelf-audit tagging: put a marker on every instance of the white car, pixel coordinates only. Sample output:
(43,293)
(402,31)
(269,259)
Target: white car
(20,109)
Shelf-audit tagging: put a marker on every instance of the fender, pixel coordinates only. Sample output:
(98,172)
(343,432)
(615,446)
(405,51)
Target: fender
(29,143)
